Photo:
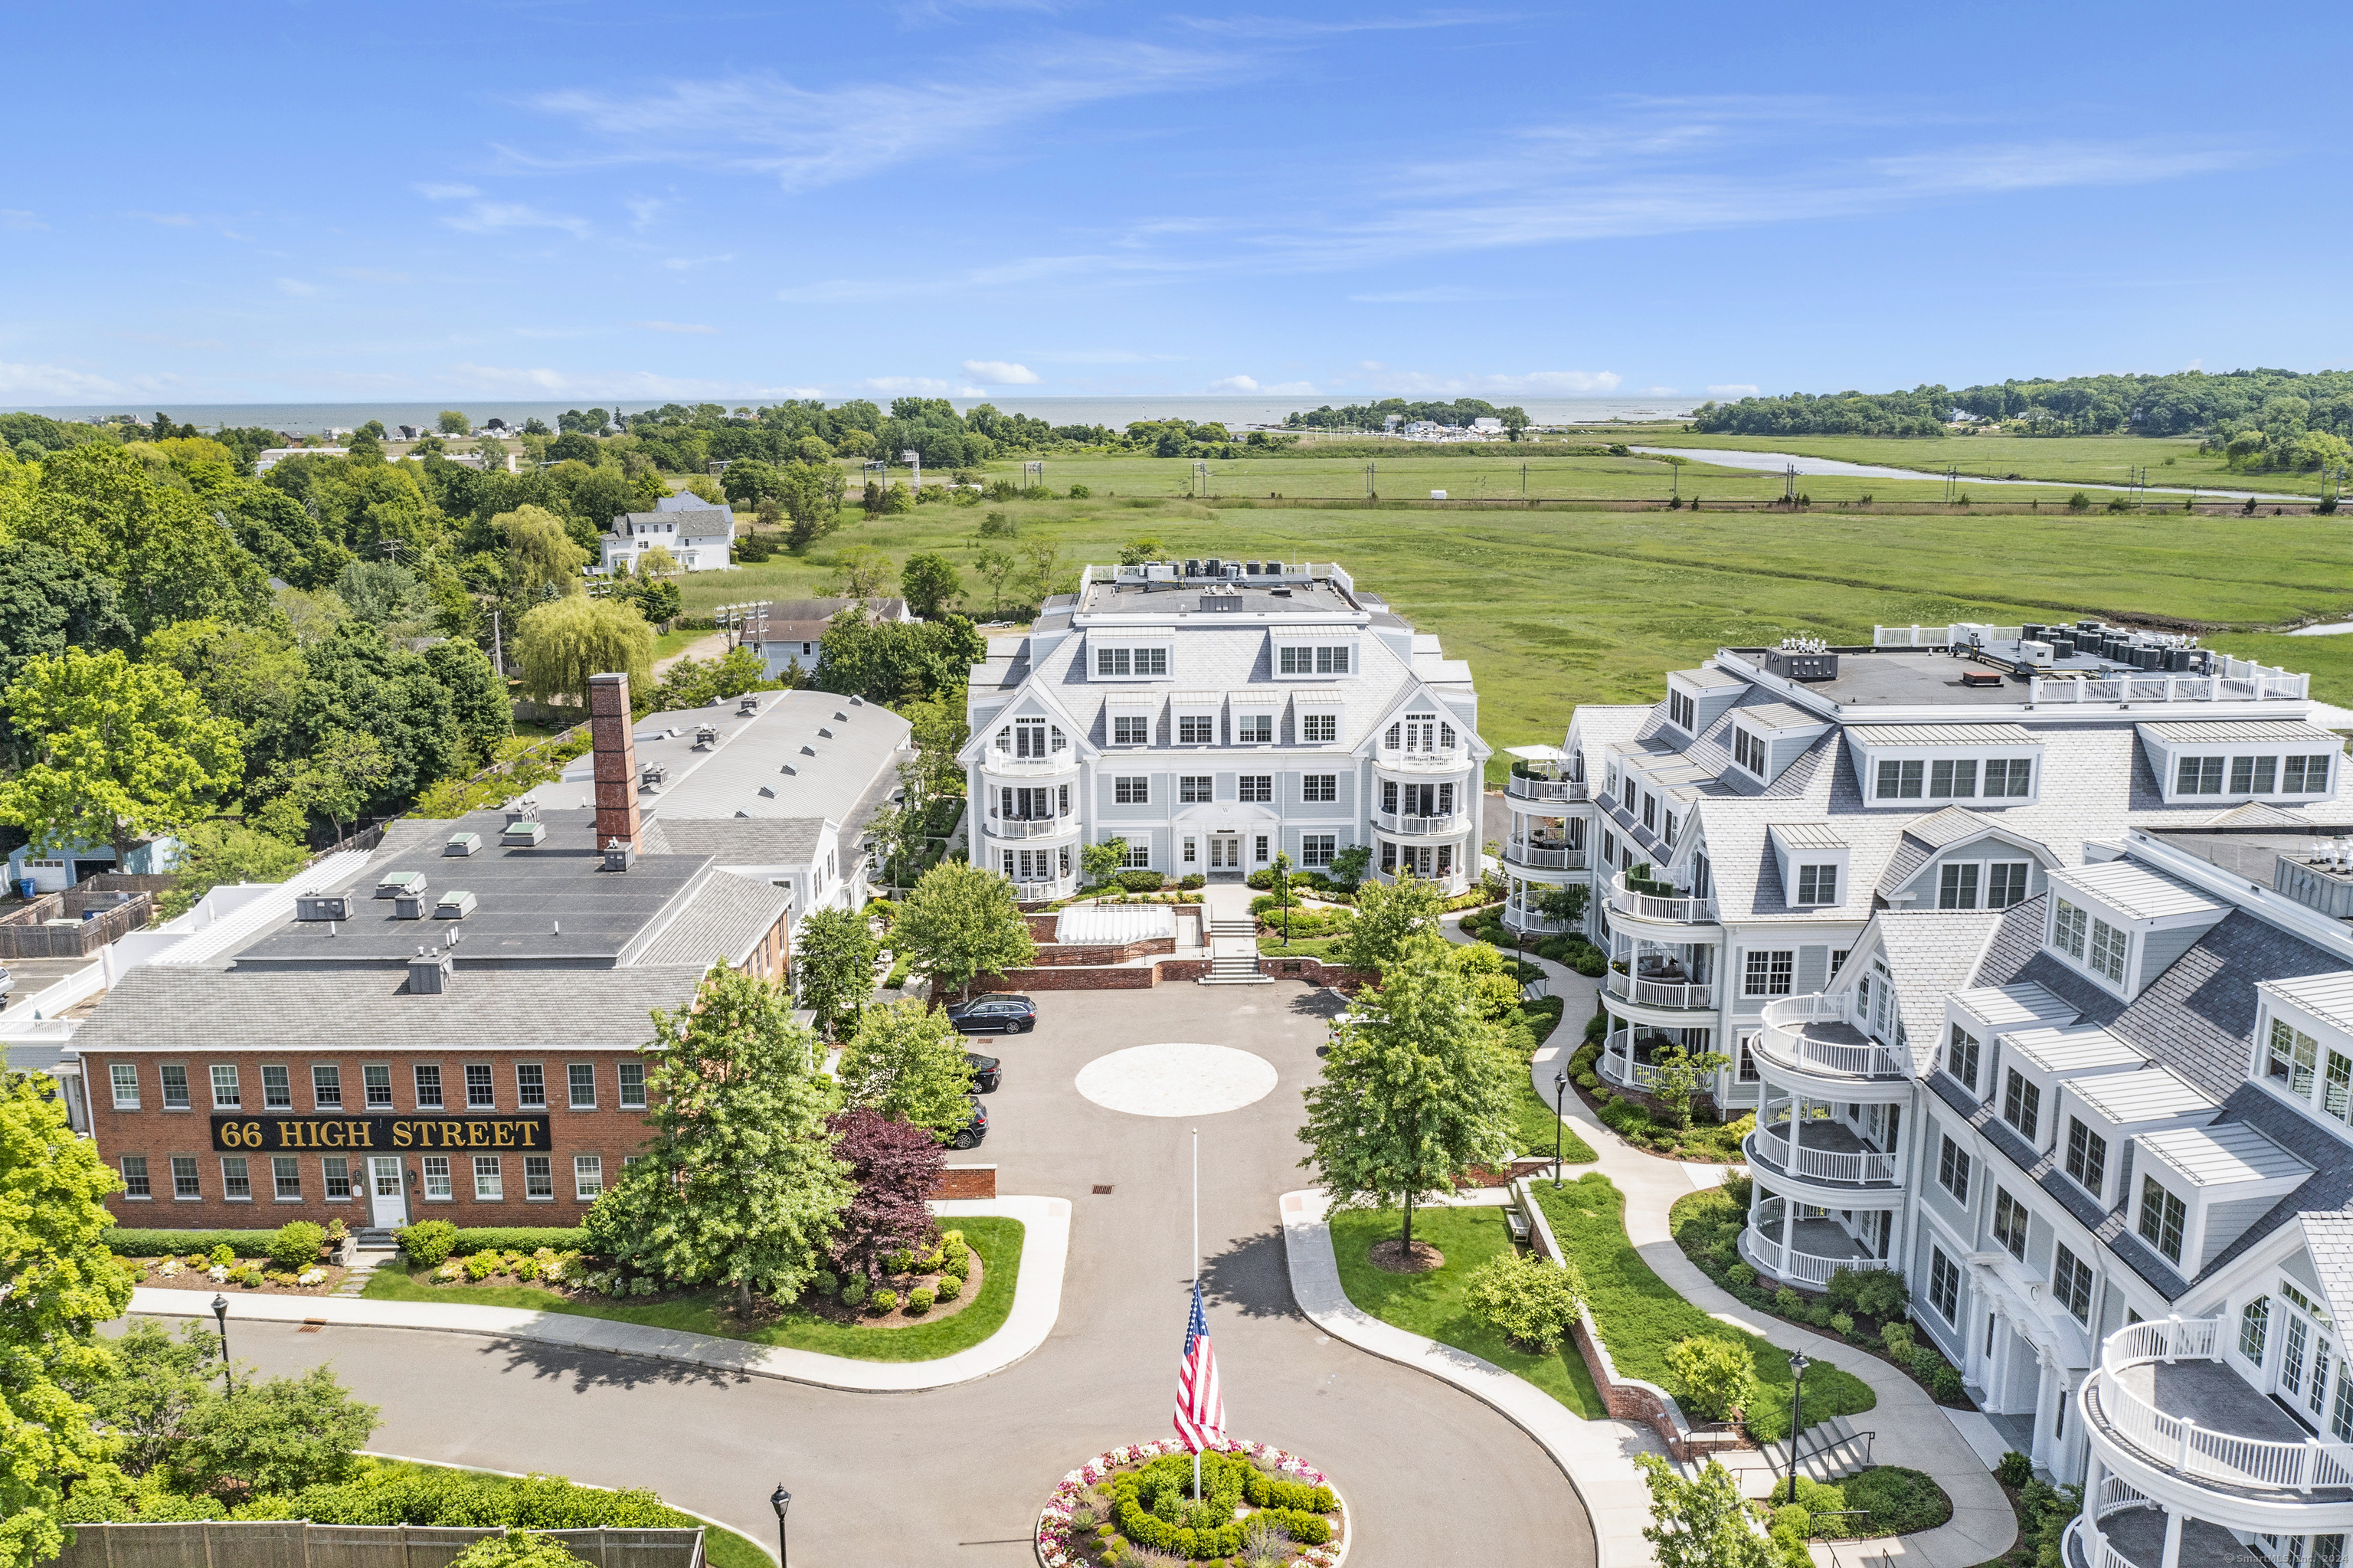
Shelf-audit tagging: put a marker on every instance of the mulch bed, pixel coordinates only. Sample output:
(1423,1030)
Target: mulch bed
(1389,1258)
(197,1279)
(832,1307)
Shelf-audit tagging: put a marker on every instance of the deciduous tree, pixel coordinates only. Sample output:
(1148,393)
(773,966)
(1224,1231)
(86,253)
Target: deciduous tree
(540,555)
(907,1063)
(1389,915)
(930,583)
(961,922)
(49,601)
(862,573)
(559,645)
(275,1436)
(216,852)
(833,965)
(1701,1523)
(478,696)
(451,422)
(895,1167)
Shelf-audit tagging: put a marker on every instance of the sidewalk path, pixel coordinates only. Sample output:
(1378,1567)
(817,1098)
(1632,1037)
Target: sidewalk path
(711,647)
(1036,1300)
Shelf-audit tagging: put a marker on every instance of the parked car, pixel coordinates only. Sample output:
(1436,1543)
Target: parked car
(987,1072)
(999,1014)
(8,982)
(974,1131)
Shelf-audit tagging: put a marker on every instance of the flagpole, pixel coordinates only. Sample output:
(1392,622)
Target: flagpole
(1196,1276)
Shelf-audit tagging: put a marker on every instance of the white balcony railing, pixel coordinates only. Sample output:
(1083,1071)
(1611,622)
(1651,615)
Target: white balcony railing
(995,761)
(1417,827)
(1031,827)
(2178,1443)
(1784,1037)
(1423,761)
(1521,918)
(1794,1265)
(1562,790)
(1542,857)
(1861,1167)
(1661,993)
(1626,1072)
(1684,910)
(1043,892)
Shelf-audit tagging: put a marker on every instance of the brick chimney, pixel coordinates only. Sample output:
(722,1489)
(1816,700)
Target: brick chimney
(616,759)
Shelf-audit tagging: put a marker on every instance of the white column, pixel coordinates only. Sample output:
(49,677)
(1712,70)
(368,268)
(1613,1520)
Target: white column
(2046,1397)
(2093,1478)
(2172,1558)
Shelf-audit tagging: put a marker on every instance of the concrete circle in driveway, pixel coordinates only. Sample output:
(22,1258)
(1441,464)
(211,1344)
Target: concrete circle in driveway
(1176,1080)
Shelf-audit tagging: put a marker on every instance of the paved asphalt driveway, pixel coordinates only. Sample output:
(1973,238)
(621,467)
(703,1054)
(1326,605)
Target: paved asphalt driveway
(956,1476)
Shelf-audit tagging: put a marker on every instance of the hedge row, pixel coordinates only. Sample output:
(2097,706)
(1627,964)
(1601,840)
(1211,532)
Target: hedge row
(388,1493)
(125,1243)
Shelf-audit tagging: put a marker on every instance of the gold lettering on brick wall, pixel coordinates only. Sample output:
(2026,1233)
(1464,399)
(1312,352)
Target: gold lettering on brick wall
(279,1132)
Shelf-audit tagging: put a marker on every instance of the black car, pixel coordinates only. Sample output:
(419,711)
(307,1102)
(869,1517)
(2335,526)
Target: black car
(973,1131)
(999,1014)
(985,1072)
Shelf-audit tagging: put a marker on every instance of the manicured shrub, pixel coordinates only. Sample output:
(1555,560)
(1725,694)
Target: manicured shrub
(1739,1187)
(518,1239)
(1897,1338)
(427,1241)
(525,1269)
(1818,1314)
(2015,1469)
(1925,1360)
(125,1242)
(1945,1387)
(1715,1379)
(1262,880)
(951,1285)
(1141,881)
(1788,1302)
(885,1300)
(1842,1324)
(900,1262)
(482,1265)
(250,1276)
(1080,492)
(1194,880)
(1898,1501)
(1590,963)
(1740,1273)
(1526,1298)
(296,1244)
(853,1290)
(825,1282)
(920,1299)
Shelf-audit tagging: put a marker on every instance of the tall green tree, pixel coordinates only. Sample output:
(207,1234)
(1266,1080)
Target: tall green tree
(120,753)
(907,1063)
(175,561)
(249,674)
(812,494)
(1700,1522)
(221,851)
(275,1436)
(833,965)
(897,662)
(357,682)
(739,1186)
(930,583)
(479,704)
(452,422)
(540,556)
(64,1282)
(154,1378)
(1101,862)
(1388,916)
(1415,1089)
(962,922)
(49,601)
(562,643)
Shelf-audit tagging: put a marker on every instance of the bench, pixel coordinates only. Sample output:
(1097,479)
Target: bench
(1518,1222)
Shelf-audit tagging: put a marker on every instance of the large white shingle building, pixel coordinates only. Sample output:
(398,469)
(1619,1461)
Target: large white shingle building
(1213,713)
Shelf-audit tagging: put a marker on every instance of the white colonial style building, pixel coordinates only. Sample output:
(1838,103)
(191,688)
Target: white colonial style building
(1213,713)
(698,536)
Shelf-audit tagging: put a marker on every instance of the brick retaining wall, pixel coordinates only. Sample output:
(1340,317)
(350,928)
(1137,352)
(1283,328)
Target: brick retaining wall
(966,1182)
(1067,976)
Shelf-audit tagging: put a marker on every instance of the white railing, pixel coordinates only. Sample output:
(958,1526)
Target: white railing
(1405,826)
(2177,1443)
(1565,789)
(1622,1070)
(1782,1038)
(1520,918)
(1029,827)
(1041,892)
(1542,858)
(1661,993)
(2091,1548)
(997,761)
(1864,1167)
(1421,761)
(1684,910)
(2241,683)
(1795,1265)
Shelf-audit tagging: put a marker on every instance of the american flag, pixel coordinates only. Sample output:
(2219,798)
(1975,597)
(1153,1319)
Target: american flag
(1200,1409)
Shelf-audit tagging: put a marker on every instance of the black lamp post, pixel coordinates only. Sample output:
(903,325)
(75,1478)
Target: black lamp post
(220,1315)
(1798,1366)
(1559,1102)
(781,1499)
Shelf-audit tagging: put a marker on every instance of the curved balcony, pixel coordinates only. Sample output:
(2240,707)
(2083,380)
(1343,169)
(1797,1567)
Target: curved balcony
(1007,764)
(1807,1046)
(1565,792)
(1422,763)
(1815,1249)
(2130,1533)
(1419,827)
(1520,918)
(1826,1158)
(1628,1073)
(1031,827)
(1044,892)
(1672,994)
(1525,856)
(1684,910)
(2171,1419)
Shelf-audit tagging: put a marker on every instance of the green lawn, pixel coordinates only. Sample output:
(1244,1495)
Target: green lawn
(1639,1316)
(2171,461)
(1432,1305)
(998,1242)
(1534,1125)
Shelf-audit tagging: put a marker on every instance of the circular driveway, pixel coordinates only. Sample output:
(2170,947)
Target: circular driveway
(956,1475)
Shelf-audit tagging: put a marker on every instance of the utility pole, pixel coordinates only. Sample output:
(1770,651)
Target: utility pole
(1371,491)
(1200,479)
(498,650)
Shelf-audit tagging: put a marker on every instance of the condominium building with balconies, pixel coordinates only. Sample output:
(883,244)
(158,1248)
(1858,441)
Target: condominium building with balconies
(1213,713)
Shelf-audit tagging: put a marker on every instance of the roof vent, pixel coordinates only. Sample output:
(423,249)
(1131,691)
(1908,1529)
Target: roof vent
(396,882)
(462,843)
(524,833)
(456,905)
(409,906)
(858,702)
(824,733)
(652,775)
(619,855)
(809,751)
(769,794)
(523,811)
(842,716)
(323,906)
(789,767)
(429,972)
(706,735)
(749,705)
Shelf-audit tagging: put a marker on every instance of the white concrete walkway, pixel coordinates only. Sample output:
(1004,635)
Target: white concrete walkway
(1036,1300)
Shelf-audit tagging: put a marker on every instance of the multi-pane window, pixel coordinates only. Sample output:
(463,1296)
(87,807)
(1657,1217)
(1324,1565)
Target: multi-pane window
(135,1177)
(1319,728)
(1257,788)
(1749,751)
(1947,780)
(1680,711)
(2070,1281)
(1961,1057)
(2068,925)
(2198,776)
(1953,1170)
(1817,884)
(1139,855)
(327,1086)
(479,1095)
(2087,1156)
(1319,787)
(2005,883)
(1317,848)
(2012,778)
(337,1170)
(531,1086)
(236,1182)
(490,1183)
(633,1085)
(1197,729)
(377,1079)
(2108,951)
(2022,1104)
(1192,788)
(125,1076)
(1770,973)
(1651,812)
(277,1089)
(2304,775)
(1943,1285)
(1313,660)
(437,1176)
(1131,791)
(2009,1222)
(184,1177)
(2161,1218)
(1130,729)
(1331,661)
(428,1085)
(227,1095)
(2253,775)
(286,1178)
(588,1176)
(2294,1055)
(1900,781)
(538,1177)
(1747,1069)
(176,1086)
(1957,886)
(1254,729)
(582,1078)
(2254,1327)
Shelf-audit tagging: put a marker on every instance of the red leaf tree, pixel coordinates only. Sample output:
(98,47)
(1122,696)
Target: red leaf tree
(896,1167)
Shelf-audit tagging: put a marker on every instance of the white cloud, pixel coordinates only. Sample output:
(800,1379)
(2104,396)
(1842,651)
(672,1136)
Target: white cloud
(494,216)
(1234,384)
(1000,372)
(1533,383)
(677,326)
(602,386)
(1732,389)
(17,217)
(643,211)
(922,383)
(446,192)
(54,384)
(296,288)
(690,263)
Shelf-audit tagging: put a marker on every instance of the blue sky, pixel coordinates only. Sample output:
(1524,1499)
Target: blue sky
(543,200)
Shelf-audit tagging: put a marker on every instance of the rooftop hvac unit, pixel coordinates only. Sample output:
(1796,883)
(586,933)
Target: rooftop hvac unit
(2320,879)
(619,855)
(409,906)
(523,834)
(462,843)
(749,705)
(323,906)
(396,882)
(706,735)
(456,905)
(2035,655)
(1792,664)
(428,973)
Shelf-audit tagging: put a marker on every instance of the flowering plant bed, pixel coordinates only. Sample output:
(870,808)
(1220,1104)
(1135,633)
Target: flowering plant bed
(1260,1506)
(198,1272)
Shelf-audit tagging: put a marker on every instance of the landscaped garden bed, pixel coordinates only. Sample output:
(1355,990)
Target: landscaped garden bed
(1260,1508)
(210,1272)
(1642,1121)
(1870,1505)
(295,1259)
(548,1279)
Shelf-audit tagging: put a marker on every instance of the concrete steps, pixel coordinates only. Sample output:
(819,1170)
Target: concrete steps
(1830,1450)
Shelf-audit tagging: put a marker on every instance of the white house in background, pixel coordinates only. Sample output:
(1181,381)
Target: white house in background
(271,457)
(786,632)
(698,536)
(53,870)
(1212,714)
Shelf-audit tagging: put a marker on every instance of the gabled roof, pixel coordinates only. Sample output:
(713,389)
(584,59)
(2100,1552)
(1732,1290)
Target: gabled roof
(2328,995)
(1931,953)
(2328,1239)
(2136,892)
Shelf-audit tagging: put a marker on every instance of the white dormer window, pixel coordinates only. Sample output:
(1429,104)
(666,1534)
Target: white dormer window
(1317,660)
(1681,710)
(2163,1218)
(1254,729)
(2293,1060)
(1817,883)
(1749,751)
(1124,662)
(1319,729)
(1131,730)
(2087,1156)
(1031,739)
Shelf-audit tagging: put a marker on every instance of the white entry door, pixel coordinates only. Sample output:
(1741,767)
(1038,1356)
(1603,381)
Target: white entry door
(388,1205)
(1225,853)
